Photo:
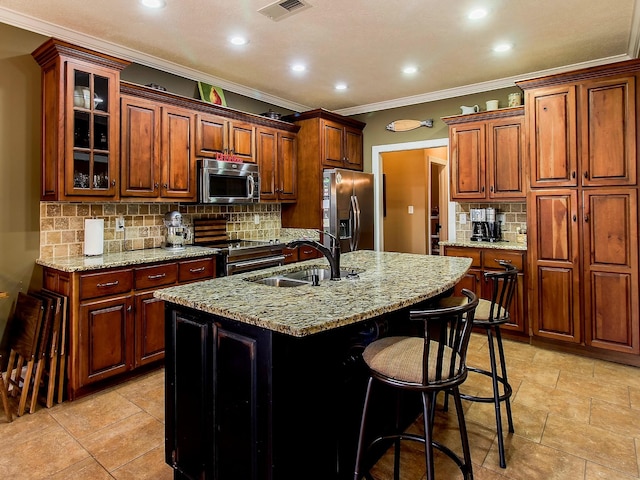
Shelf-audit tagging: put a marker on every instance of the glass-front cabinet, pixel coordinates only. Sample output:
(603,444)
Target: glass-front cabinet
(80,91)
(89,162)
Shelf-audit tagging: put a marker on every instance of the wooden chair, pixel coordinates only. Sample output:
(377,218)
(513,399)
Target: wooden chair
(489,315)
(429,364)
(4,394)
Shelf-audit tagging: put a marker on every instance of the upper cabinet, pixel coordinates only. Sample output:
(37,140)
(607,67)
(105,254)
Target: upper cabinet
(81,119)
(573,123)
(217,135)
(342,145)
(487,155)
(157,153)
(277,159)
(106,140)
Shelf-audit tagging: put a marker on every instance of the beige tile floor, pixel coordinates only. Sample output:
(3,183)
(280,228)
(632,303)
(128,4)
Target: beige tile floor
(575,418)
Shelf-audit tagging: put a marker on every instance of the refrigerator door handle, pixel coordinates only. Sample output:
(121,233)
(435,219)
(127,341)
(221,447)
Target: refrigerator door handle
(355,236)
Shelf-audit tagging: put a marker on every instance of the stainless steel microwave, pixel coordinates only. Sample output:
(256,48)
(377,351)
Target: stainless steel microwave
(228,182)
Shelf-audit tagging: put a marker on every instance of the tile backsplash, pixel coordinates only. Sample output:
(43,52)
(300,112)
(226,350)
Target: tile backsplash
(515,219)
(62,224)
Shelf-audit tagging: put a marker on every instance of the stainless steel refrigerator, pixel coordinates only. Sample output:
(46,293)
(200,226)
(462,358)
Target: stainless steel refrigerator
(347,207)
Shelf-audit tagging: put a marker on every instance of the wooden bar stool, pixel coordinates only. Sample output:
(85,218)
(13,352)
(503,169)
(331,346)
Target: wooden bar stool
(428,364)
(489,316)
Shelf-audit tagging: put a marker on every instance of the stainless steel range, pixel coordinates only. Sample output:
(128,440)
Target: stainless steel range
(246,255)
(236,256)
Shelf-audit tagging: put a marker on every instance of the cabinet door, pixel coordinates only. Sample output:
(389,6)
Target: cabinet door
(287,167)
(140,160)
(91,154)
(554,302)
(505,158)
(106,339)
(178,173)
(610,259)
(242,141)
(472,280)
(212,134)
(353,139)
(149,329)
(608,131)
(267,156)
(467,150)
(551,119)
(333,153)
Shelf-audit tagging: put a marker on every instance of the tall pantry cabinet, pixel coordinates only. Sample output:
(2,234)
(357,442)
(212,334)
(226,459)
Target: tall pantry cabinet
(583,207)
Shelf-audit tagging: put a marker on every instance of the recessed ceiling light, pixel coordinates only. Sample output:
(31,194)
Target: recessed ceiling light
(298,67)
(341,86)
(153,3)
(410,69)
(237,40)
(477,13)
(502,47)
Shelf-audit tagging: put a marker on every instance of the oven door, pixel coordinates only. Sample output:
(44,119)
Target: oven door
(233,268)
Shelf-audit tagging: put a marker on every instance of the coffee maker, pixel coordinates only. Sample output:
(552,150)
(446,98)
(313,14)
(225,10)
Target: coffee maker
(484,226)
(479,231)
(178,234)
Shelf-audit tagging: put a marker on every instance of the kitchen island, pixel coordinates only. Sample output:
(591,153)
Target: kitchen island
(266,382)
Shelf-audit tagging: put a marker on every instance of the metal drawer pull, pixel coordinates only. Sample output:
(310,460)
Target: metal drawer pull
(108,284)
(155,277)
(498,260)
(196,270)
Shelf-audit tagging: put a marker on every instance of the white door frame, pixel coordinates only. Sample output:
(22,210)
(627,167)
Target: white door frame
(377,170)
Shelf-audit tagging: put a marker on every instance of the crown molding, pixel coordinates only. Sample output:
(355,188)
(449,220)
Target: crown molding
(474,88)
(31,24)
(25,22)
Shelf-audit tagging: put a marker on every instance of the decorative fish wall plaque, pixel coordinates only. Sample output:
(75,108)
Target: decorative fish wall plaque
(406,125)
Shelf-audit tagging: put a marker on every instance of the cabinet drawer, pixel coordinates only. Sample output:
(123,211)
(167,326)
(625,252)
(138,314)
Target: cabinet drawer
(472,253)
(491,257)
(155,276)
(105,283)
(199,269)
(307,253)
(290,255)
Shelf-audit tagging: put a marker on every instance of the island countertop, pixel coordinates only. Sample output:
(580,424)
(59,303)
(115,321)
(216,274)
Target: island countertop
(387,282)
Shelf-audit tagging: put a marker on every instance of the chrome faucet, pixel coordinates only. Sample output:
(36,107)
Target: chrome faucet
(331,253)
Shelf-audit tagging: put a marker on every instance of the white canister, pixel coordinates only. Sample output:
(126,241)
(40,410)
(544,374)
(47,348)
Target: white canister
(515,99)
(492,105)
(87,97)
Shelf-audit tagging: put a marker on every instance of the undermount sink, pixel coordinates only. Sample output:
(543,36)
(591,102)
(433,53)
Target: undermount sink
(302,277)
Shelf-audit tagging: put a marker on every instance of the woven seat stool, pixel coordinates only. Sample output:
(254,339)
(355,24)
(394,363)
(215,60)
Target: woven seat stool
(427,364)
(489,315)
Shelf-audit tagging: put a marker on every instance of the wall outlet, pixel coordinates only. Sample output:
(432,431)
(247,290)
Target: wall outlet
(410,209)
(120,224)
(256,219)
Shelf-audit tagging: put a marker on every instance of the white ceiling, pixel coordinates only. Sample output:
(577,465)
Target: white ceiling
(364,43)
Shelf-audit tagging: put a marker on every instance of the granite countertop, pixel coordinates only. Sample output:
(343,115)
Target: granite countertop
(387,282)
(494,245)
(135,257)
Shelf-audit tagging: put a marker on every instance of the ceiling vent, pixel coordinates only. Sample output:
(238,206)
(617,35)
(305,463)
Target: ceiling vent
(283,9)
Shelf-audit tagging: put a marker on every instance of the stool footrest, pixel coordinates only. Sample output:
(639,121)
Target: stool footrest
(474,398)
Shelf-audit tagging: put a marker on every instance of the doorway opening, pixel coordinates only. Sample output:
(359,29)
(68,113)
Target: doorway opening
(412,207)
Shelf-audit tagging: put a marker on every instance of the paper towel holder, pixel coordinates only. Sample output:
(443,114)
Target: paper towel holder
(93,236)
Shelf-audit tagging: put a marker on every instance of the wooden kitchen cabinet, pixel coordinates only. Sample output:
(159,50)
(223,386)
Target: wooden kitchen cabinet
(217,135)
(486,260)
(157,159)
(583,217)
(278,161)
(116,326)
(325,140)
(487,155)
(80,122)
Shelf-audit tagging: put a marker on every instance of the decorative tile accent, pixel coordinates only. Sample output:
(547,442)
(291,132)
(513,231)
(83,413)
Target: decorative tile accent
(62,224)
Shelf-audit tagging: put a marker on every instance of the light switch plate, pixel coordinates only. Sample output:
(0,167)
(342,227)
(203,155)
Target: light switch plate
(410,209)
(463,219)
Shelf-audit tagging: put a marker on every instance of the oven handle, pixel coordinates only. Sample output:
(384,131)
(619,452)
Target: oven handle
(273,260)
